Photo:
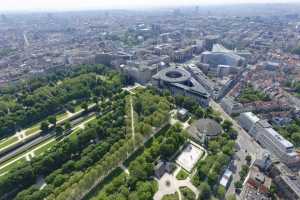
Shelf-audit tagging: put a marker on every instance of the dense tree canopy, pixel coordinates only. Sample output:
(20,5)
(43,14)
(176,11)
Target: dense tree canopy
(43,98)
(249,94)
(77,154)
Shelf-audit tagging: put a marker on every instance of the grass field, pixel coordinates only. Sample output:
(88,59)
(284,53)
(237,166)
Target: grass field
(33,129)
(36,127)
(40,151)
(77,108)
(182,175)
(37,150)
(8,141)
(61,116)
(171,197)
(9,167)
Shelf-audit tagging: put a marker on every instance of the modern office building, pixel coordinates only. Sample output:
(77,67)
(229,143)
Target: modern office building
(209,41)
(270,139)
(247,120)
(222,58)
(140,73)
(180,82)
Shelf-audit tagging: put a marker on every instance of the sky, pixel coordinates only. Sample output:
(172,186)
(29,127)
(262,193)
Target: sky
(61,5)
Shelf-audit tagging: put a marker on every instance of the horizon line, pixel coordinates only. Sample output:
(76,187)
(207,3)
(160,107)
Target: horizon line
(140,8)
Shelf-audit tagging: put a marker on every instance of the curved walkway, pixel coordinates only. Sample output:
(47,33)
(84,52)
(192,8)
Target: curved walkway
(164,189)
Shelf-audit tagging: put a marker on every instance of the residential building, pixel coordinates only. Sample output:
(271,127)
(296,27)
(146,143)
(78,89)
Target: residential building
(286,181)
(256,186)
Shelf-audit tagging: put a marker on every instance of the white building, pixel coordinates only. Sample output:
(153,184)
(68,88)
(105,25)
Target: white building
(221,58)
(247,120)
(226,178)
(270,139)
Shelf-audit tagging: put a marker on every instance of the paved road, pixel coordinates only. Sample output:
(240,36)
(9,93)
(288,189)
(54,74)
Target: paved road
(244,139)
(78,123)
(23,138)
(164,189)
(26,146)
(132,121)
(245,142)
(26,39)
(40,139)
(27,155)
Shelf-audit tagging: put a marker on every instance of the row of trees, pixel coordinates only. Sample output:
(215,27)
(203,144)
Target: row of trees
(104,129)
(25,175)
(210,170)
(28,107)
(243,173)
(139,183)
(97,163)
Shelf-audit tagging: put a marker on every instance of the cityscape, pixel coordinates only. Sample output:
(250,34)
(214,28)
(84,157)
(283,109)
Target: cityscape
(191,102)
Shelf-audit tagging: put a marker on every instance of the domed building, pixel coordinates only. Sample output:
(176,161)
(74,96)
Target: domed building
(203,129)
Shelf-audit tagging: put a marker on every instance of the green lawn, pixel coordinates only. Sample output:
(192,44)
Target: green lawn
(182,175)
(101,77)
(187,193)
(8,141)
(41,150)
(38,152)
(9,167)
(33,129)
(138,90)
(73,135)
(61,116)
(171,197)
(77,108)
(91,122)
(36,127)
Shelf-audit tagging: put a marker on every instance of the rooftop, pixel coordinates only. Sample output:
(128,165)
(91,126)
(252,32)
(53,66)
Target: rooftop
(279,138)
(189,157)
(251,116)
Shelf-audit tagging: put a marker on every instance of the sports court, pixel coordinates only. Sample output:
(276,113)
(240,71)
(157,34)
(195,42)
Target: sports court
(189,157)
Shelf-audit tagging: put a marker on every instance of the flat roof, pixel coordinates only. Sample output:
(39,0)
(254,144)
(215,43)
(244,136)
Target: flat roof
(294,183)
(225,178)
(189,157)
(264,123)
(183,111)
(179,75)
(251,116)
(279,138)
